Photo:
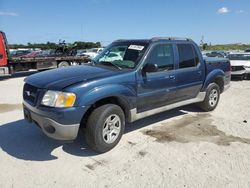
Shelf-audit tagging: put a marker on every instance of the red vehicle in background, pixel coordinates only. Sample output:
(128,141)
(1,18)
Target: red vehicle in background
(32,54)
(4,54)
(10,65)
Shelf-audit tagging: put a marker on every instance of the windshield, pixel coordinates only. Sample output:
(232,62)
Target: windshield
(122,54)
(241,57)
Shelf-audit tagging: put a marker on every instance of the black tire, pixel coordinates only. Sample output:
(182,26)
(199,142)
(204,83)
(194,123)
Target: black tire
(11,69)
(208,105)
(93,132)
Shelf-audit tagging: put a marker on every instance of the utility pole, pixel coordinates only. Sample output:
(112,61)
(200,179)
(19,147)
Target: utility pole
(202,40)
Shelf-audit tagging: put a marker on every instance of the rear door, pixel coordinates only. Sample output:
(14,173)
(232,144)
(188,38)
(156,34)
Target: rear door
(156,89)
(190,73)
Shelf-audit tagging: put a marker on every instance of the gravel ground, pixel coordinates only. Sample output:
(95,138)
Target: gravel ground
(180,148)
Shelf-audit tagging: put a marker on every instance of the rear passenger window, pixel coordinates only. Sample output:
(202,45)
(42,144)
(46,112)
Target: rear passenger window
(188,56)
(163,56)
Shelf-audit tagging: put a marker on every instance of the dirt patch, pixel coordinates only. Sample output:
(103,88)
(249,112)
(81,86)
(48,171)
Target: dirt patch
(10,107)
(131,143)
(95,164)
(190,128)
(142,153)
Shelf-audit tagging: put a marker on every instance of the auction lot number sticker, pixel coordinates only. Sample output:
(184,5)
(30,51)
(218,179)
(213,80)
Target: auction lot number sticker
(136,47)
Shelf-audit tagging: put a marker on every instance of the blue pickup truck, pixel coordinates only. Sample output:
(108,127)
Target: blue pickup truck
(129,80)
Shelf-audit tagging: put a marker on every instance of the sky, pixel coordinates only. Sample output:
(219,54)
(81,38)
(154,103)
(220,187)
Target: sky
(219,21)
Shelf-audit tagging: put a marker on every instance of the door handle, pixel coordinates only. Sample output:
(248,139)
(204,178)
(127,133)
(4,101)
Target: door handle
(199,72)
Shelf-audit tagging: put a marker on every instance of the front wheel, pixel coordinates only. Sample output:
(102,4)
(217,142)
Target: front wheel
(212,98)
(105,127)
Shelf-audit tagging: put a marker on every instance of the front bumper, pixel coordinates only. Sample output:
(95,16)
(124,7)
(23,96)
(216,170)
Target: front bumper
(245,71)
(53,128)
(238,73)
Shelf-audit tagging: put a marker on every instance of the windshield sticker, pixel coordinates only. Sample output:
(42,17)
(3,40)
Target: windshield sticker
(136,47)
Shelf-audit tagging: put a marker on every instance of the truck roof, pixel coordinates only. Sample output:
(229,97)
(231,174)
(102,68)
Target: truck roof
(155,39)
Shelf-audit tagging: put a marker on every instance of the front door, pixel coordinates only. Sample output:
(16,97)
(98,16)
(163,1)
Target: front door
(156,89)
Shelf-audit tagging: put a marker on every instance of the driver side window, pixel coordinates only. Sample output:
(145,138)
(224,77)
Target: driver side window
(163,56)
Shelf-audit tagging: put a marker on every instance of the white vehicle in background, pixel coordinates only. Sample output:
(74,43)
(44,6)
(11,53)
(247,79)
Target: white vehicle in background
(240,63)
(93,52)
(205,52)
(112,56)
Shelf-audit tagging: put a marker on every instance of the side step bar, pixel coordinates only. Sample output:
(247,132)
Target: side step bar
(136,116)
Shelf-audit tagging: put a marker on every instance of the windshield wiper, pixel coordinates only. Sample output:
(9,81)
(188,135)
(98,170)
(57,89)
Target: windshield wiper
(109,63)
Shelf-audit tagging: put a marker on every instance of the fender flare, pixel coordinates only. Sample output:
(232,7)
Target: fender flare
(212,76)
(125,94)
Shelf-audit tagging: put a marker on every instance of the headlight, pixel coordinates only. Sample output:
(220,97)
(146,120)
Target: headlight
(58,99)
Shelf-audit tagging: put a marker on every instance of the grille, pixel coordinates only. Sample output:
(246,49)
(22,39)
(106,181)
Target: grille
(237,68)
(30,94)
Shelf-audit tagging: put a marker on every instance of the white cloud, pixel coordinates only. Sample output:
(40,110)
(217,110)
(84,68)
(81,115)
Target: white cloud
(8,13)
(223,10)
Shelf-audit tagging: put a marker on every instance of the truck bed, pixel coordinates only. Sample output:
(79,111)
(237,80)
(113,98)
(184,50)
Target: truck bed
(213,62)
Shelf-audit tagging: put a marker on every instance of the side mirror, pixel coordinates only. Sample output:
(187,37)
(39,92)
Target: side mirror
(150,68)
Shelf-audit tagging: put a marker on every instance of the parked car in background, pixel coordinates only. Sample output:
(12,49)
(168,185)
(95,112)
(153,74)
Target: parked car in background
(240,63)
(204,53)
(19,52)
(92,53)
(31,54)
(152,76)
(219,54)
(81,52)
(40,53)
(46,53)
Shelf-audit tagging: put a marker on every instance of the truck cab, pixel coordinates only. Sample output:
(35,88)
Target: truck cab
(150,76)
(4,55)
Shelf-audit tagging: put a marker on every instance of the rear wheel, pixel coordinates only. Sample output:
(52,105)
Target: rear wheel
(105,127)
(212,98)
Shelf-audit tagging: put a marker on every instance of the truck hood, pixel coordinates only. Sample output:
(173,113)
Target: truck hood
(58,79)
(240,63)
